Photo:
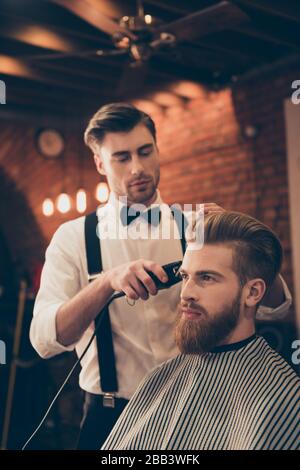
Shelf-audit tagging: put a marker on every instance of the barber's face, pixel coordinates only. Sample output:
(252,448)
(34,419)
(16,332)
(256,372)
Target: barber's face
(210,299)
(130,162)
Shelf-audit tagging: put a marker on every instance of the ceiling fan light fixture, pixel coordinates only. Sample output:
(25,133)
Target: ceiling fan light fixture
(167,38)
(122,41)
(128,22)
(139,23)
(140,52)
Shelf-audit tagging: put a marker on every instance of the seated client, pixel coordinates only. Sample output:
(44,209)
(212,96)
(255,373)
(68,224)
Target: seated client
(227,389)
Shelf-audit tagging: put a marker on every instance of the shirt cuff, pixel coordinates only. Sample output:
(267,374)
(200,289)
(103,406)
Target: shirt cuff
(45,341)
(271,314)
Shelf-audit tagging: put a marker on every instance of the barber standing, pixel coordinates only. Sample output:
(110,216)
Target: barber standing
(132,339)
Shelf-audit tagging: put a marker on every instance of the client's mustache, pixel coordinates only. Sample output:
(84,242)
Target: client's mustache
(193,306)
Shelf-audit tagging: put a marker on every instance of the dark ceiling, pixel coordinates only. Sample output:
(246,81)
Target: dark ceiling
(225,41)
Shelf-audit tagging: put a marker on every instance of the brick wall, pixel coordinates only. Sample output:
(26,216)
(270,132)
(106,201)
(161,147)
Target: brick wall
(204,157)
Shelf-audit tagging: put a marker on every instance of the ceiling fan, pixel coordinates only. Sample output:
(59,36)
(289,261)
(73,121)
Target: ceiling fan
(142,36)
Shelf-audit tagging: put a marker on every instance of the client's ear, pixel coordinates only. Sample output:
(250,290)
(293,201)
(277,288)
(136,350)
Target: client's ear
(254,292)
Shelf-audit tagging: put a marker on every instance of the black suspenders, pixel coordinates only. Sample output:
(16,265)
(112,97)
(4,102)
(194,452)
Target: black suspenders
(105,348)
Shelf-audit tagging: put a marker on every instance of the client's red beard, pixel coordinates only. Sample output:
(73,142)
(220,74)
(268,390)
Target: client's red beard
(199,337)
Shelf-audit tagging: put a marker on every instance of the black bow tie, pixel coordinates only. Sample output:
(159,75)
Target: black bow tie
(152,216)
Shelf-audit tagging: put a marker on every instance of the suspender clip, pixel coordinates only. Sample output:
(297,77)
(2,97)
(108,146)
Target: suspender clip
(92,277)
(109,400)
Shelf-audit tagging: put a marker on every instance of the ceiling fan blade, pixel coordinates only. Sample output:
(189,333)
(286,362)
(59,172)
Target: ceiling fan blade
(114,8)
(93,16)
(58,55)
(111,52)
(212,19)
(65,55)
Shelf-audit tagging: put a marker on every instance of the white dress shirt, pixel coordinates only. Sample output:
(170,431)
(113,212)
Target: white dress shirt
(143,334)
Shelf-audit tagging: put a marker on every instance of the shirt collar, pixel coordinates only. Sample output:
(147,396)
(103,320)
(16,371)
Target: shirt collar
(234,346)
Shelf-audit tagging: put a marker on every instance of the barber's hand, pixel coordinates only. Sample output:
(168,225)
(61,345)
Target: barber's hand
(210,207)
(134,281)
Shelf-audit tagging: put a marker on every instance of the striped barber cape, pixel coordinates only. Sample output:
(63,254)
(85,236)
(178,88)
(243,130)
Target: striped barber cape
(239,396)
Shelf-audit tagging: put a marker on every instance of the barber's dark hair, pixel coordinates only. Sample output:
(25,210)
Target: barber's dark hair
(115,117)
(257,252)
